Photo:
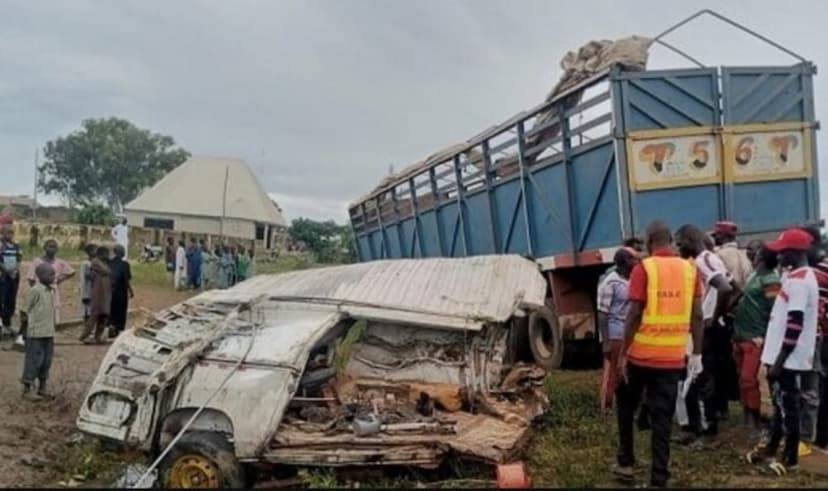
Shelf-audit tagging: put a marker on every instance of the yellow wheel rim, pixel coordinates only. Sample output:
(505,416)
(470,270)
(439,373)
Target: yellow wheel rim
(194,471)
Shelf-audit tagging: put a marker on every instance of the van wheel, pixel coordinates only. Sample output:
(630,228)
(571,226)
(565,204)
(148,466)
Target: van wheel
(202,459)
(545,338)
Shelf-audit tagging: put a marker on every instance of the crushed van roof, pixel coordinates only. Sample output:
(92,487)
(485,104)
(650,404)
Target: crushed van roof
(459,293)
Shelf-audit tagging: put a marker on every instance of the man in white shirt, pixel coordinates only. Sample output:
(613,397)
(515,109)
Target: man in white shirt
(789,346)
(735,260)
(120,234)
(690,241)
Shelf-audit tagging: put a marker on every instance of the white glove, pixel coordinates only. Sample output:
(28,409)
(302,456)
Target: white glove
(694,366)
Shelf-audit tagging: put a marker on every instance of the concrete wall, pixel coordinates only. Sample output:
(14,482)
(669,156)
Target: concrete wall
(75,236)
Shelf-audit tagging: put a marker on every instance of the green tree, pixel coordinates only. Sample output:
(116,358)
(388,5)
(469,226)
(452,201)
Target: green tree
(328,241)
(95,214)
(107,161)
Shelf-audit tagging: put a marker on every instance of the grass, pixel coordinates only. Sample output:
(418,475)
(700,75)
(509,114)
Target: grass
(284,264)
(150,274)
(87,462)
(575,447)
(576,444)
(156,275)
(343,349)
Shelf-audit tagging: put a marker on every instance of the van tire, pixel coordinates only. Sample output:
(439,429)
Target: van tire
(545,338)
(214,448)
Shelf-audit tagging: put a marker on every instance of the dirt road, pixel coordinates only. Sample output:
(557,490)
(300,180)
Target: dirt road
(34,436)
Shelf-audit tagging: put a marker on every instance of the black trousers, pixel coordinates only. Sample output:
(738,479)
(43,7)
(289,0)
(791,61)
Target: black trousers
(8,298)
(118,309)
(787,409)
(719,349)
(661,387)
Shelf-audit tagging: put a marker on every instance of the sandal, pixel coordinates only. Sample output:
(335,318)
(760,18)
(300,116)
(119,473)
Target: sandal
(756,456)
(780,469)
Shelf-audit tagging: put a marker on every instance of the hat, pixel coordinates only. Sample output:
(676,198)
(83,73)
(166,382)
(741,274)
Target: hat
(725,228)
(794,239)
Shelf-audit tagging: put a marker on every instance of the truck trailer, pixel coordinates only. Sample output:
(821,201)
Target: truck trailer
(568,181)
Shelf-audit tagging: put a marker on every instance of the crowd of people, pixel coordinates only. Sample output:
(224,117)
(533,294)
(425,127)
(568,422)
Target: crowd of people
(195,266)
(695,322)
(105,291)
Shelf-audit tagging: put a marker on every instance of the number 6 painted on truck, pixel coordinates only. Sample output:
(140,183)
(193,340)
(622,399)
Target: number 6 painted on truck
(744,150)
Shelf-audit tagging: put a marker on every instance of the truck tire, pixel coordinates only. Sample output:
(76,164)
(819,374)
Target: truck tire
(545,338)
(201,459)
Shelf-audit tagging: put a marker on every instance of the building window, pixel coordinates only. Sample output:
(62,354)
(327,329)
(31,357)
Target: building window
(260,231)
(162,223)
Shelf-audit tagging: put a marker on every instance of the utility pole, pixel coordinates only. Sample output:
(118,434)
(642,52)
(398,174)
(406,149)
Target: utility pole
(224,201)
(34,193)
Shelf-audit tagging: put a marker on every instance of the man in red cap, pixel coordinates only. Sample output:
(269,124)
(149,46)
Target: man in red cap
(735,259)
(789,347)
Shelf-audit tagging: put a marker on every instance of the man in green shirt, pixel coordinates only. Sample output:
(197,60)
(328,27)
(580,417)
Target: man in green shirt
(37,318)
(243,264)
(749,326)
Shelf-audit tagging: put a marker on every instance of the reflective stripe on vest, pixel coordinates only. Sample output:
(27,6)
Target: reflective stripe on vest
(665,325)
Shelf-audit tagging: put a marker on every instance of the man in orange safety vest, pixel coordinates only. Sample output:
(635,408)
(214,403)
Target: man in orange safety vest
(665,309)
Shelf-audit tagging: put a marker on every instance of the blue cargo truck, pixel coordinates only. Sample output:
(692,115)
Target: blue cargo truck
(568,181)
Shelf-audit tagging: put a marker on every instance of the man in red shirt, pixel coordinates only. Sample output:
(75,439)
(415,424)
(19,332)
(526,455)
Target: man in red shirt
(665,307)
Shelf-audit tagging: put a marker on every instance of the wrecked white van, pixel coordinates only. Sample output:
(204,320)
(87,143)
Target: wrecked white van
(397,362)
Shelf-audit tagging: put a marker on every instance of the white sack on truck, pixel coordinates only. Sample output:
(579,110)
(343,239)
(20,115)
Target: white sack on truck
(630,53)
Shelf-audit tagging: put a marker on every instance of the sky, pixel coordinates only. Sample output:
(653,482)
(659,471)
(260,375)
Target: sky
(322,96)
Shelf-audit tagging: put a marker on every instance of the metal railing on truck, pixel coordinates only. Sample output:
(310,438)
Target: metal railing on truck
(587,168)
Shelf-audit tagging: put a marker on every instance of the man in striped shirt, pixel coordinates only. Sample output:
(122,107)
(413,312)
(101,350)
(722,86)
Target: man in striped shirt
(789,346)
(814,398)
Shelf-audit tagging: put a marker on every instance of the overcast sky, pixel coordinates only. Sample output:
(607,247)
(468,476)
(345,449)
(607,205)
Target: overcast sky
(320,97)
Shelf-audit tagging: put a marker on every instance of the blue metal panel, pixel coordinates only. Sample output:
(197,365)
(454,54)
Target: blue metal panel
(431,241)
(756,95)
(363,250)
(764,94)
(669,99)
(480,227)
(375,240)
(762,210)
(595,199)
(697,205)
(509,217)
(393,242)
(547,200)
(411,247)
(450,226)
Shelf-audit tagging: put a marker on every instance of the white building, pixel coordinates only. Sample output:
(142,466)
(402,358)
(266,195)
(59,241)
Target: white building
(210,196)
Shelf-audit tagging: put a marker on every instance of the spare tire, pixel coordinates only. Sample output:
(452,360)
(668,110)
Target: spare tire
(545,338)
